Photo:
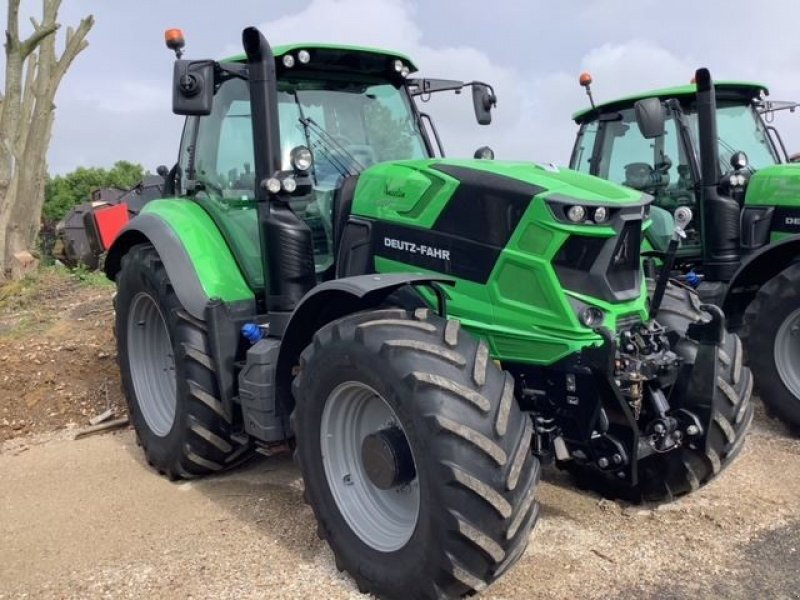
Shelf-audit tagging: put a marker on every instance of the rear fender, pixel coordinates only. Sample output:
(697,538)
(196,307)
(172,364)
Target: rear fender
(759,268)
(198,261)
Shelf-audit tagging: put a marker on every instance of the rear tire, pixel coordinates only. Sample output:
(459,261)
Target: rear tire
(772,339)
(168,375)
(475,476)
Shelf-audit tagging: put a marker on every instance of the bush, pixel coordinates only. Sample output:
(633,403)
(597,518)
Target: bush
(63,192)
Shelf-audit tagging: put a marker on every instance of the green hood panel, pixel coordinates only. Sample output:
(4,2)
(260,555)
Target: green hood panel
(776,185)
(503,244)
(415,191)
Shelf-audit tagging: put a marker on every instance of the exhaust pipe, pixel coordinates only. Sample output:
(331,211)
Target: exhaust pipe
(287,252)
(719,216)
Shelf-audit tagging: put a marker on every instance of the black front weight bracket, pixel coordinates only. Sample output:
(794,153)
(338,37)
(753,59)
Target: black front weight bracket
(702,386)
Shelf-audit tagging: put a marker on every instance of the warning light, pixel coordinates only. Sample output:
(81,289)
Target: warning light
(175,41)
(585,79)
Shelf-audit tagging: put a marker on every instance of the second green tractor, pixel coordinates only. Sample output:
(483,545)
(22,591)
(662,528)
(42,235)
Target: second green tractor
(423,332)
(713,148)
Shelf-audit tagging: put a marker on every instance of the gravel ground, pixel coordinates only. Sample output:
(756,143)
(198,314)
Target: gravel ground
(88,518)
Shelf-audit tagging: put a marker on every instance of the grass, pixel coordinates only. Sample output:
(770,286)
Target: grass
(91,278)
(16,295)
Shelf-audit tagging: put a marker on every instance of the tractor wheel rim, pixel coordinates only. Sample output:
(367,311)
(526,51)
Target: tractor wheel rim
(384,519)
(787,352)
(152,364)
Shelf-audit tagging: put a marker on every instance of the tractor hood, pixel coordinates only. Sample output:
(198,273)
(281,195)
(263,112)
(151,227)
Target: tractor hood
(417,188)
(776,185)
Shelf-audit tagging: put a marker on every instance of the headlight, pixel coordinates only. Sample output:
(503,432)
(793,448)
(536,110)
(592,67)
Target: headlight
(398,65)
(288,61)
(273,185)
(301,158)
(304,57)
(600,214)
(592,317)
(576,214)
(289,184)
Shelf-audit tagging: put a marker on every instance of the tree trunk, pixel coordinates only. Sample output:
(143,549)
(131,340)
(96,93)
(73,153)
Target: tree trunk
(26,122)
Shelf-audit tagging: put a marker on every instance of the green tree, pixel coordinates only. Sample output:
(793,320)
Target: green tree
(63,192)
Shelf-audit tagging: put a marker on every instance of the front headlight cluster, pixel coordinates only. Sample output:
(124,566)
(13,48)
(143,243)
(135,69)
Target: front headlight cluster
(582,214)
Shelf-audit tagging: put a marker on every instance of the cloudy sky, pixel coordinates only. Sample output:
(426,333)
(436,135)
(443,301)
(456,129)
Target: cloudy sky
(115,102)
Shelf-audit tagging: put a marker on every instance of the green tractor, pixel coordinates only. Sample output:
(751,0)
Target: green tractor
(712,148)
(422,331)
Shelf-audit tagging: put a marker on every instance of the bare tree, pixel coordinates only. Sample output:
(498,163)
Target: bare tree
(34,70)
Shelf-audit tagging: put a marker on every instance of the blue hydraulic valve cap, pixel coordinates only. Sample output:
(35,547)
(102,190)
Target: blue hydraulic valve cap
(693,279)
(252,332)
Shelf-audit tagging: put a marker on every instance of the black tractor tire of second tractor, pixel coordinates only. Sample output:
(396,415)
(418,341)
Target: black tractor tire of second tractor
(764,316)
(470,441)
(666,477)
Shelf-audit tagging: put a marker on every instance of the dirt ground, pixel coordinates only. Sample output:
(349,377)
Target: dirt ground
(88,518)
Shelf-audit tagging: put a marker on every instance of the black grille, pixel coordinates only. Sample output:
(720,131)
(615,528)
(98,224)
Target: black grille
(624,268)
(605,268)
(580,252)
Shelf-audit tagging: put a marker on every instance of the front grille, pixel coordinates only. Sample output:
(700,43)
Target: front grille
(605,268)
(623,271)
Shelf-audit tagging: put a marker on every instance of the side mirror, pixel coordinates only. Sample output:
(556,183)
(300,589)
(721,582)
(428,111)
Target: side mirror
(650,117)
(483,99)
(193,87)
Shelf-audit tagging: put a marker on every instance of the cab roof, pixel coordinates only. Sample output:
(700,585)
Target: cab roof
(745,90)
(281,50)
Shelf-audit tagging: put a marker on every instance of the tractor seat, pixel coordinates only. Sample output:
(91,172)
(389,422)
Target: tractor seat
(342,205)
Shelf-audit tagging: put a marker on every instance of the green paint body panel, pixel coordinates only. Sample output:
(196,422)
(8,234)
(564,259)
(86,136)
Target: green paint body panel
(523,311)
(279,51)
(213,261)
(776,185)
(746,88)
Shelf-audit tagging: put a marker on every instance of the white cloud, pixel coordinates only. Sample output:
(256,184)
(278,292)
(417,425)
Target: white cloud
(628,47)
(127,97)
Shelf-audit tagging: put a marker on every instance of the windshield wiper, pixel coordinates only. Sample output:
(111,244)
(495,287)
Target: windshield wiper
(332,148)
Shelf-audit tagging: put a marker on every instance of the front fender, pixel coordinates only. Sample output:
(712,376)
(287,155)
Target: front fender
(196,257)
(330,301)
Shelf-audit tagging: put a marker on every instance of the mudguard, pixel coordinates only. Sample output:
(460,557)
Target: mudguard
(332,300)
(198,261)
(756,270)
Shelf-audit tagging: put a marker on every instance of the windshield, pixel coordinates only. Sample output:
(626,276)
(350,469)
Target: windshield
(347,125)
(740,128)
(352,125)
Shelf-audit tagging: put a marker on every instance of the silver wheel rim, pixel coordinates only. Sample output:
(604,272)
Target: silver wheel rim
(384,519)
(787,353)
(152,364)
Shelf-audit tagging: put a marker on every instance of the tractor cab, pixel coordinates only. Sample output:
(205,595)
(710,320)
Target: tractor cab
(612,143)
(339,111)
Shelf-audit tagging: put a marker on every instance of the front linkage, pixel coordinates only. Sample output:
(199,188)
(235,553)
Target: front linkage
(617,412)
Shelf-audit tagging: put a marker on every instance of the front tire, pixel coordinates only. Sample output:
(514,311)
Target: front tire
(450,506)
(772,339)
(168,375)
